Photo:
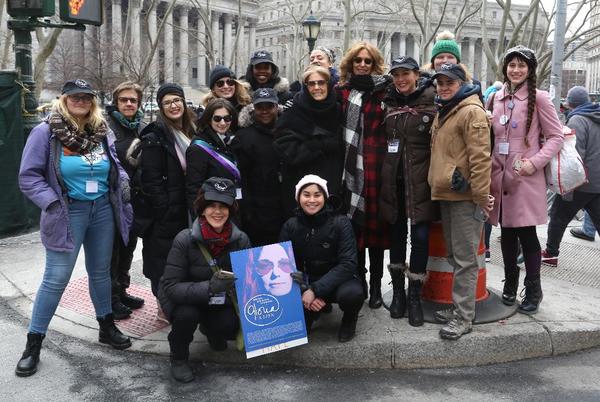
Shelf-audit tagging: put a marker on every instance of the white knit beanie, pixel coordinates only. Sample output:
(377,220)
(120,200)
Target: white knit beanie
(312,179)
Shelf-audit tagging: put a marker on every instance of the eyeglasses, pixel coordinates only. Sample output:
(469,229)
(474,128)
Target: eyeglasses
(124,99)
(175,101)
(221,83)
(81,98)
(317,83)
(358,60)
(263,267)
(227,118)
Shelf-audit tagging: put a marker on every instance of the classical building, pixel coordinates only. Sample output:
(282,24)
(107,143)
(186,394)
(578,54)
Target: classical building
(593,57)
(574,68)
(395,32)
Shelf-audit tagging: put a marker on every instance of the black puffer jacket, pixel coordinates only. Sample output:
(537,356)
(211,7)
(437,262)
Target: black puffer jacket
(201,166)
(324,248)
(125,138)
(408,122)
(163,186)
(187,272)
(309,141)
(259,163)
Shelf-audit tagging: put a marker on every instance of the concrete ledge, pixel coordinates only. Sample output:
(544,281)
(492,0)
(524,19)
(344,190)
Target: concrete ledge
(571,336)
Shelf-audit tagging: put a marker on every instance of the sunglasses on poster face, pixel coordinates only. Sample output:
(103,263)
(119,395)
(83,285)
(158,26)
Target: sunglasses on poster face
(359,60)
(263,267)
(221,83)
(217,119)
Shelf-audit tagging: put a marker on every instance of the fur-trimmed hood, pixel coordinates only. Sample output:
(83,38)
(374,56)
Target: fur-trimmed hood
(282,85)
(246,115)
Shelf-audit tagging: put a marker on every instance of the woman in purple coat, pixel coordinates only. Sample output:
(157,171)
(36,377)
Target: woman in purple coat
(70,170)
(521,113)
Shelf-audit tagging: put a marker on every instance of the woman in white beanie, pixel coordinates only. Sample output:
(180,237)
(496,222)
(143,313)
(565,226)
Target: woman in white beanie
(325,253)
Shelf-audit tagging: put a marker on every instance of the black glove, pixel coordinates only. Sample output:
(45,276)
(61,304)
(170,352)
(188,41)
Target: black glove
(298,277)
(221,281)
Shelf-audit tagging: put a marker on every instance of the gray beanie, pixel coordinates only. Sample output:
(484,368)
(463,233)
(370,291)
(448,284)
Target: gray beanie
(577,96)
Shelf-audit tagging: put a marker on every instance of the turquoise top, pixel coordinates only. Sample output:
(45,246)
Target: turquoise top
(85,176)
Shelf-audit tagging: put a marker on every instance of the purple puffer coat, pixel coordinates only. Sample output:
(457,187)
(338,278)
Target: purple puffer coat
(40,181)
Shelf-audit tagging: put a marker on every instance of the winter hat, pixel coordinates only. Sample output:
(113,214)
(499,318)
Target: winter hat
(218,72)
(168,88)
(445,43)
(577,96)
(311,179)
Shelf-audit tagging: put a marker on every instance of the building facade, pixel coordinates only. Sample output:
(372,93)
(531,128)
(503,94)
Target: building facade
(593,57)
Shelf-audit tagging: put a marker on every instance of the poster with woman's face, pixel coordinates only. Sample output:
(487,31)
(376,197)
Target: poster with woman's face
(269,300)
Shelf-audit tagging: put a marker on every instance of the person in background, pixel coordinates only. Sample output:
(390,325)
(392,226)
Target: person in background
(194,292)
(324,57)
(259,164)
(262,72)
(584,119)
(587,231)
(222,84)
(70,170)
(125,119)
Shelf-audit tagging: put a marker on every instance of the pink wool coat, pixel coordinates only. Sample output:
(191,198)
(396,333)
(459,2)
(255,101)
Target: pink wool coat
(522,199)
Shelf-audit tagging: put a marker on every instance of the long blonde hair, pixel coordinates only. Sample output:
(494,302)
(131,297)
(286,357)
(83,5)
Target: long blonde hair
(94,119)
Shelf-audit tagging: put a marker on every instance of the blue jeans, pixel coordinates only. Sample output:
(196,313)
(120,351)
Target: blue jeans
(91,224)
(588,225)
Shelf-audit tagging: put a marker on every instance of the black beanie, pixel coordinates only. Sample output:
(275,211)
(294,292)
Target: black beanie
(218,72)
(168,88)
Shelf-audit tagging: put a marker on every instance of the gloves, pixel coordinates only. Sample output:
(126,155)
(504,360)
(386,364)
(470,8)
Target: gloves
(298,277)
(221,281)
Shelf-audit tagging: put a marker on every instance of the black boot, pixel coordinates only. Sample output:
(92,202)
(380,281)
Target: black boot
(31,356)
(415,311)
(181,371)
(511,284)
(533,297)
(133,302)
(110,334)
(348,327)
(120,310)
(375,300)
(398,306)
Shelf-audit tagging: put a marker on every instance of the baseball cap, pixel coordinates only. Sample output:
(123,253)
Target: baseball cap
(452,71)
(406,62)
(219,189)
(264,95)
(77,87)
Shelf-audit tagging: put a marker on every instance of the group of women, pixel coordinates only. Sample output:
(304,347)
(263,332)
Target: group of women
(355,161)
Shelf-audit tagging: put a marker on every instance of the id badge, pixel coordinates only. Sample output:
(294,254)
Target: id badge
(503,148)
(91,186)
(393,146)
(217,299)
(238,193)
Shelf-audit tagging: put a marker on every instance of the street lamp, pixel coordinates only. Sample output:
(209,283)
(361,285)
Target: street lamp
(312,27)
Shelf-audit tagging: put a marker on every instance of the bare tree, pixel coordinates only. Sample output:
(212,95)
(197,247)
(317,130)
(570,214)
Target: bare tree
(47,43)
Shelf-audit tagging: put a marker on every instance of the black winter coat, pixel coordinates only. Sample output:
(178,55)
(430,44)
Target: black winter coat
(163,187)
(324,248)
(187,272)
(125,137)
(259,163)
(201,166)
(309,141)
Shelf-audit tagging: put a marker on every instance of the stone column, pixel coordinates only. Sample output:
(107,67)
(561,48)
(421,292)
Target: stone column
(386,48)
(184,52)
(227,40)
(484,69)
(153,72)
(417,50)
(471,63)
(402,41)
(242,45)
(251,40)
(136,30)
(117,35)
(216,41)
(201,52)
(168,49)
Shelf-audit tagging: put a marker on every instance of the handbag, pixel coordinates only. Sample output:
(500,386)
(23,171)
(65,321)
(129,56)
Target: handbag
(566,170)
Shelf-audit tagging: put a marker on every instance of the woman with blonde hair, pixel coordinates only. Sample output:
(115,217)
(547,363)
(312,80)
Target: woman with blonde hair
(70,170)
(362,90)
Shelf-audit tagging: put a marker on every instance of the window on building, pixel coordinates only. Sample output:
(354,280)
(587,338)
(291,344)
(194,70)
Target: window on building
(494,15)
(337,35)
(271,41)
(271,14)
(194,72)
(520,16)
(263,42)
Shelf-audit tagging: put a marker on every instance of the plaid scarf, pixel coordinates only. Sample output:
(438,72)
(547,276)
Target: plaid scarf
(354,174)
(77,141)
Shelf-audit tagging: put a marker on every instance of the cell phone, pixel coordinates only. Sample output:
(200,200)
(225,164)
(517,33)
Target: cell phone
(225,275)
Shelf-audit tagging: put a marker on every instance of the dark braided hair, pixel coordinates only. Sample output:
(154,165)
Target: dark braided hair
(521,53)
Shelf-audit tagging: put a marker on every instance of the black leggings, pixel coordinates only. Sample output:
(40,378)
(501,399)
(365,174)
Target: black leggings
(509,242)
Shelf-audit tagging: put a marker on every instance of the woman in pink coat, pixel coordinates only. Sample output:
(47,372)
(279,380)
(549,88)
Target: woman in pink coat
(523,118)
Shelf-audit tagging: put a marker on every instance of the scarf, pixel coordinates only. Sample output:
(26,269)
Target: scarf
(182,142)
(353,176)
(445,106)
(216,241)
(584,109)
(77,141)
(132,124)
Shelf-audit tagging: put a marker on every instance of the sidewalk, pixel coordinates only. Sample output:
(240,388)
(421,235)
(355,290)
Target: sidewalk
(568,320)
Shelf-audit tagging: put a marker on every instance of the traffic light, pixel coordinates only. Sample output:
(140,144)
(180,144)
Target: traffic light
(30,8)
(81,11)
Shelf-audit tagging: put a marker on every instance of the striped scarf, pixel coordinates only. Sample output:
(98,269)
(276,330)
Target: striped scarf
(354,173)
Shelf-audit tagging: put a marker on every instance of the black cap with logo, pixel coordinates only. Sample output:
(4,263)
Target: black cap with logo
(261,56)
(265,95)
(219,189)
(452,71)
(77,87)
(406,62)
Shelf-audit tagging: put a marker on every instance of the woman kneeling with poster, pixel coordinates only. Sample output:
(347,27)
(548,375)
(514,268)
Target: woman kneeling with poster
(196,287)
(325,253)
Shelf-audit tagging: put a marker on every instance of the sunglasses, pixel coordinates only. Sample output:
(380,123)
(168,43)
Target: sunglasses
(229,82)
(263,267)
(124,99)
(217,119)
(359,60)
(81,98)
(317,83)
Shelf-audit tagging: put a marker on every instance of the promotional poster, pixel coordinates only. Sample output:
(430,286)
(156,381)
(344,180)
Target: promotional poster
(270,302)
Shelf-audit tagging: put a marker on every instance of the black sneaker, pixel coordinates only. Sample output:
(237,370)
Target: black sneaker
(181,371)
(217,344)
(120,311)
(132,302)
